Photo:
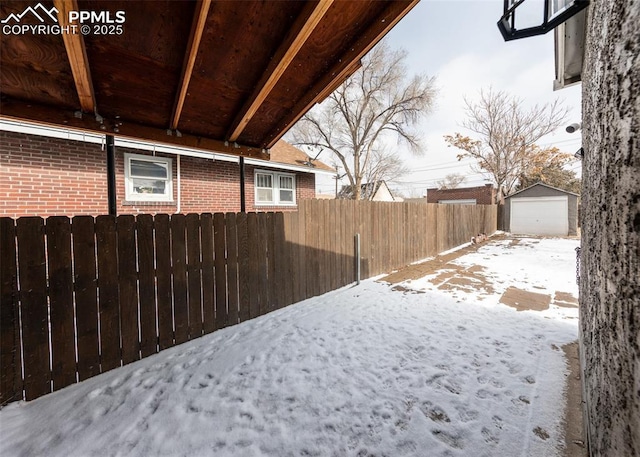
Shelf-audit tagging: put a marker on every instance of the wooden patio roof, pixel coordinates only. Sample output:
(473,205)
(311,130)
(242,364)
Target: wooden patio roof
(230,76)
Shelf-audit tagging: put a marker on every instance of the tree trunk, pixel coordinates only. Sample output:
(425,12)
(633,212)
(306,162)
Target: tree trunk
(357,191)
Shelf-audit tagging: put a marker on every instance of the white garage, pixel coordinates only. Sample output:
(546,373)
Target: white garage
(540,216)
(541,210)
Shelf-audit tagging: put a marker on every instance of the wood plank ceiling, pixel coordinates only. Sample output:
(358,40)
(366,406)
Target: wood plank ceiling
(229,76)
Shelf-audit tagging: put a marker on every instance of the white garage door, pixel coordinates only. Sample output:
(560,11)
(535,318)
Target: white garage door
(540,216)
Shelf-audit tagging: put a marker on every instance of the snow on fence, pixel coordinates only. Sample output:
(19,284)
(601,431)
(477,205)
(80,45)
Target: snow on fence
(85,295)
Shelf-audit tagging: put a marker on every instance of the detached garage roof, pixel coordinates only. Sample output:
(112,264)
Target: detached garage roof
(230,76)
(543,185)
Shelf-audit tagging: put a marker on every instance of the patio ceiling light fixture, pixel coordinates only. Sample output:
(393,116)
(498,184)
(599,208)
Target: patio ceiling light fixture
(554,13)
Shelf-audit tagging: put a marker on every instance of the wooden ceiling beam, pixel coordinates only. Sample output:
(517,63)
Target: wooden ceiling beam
(304,26)
(17,110)
(344,67)
(77,55)
(337,82)
(197,27)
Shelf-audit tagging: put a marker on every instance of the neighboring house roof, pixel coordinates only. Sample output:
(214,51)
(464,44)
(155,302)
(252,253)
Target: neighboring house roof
(368,191)
(283,152)
(544,185)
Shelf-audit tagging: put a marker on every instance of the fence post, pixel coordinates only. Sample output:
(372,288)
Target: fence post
(357,257)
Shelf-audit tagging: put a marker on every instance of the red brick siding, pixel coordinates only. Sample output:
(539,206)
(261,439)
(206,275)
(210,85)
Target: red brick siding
(484,195)
(306,186)
(47,176)
(43,176)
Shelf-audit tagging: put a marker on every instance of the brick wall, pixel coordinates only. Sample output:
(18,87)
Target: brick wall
(42,176)
(45,176)
(484,195)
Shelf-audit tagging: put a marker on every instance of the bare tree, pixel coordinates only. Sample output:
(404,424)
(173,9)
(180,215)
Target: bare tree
(385,166)
(506,135)
(451,181)
(374,104)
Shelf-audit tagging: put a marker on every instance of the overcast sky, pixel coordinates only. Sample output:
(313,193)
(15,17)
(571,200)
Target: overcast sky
(458,42)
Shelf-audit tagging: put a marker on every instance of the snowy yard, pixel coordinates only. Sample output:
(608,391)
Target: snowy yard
(372,370)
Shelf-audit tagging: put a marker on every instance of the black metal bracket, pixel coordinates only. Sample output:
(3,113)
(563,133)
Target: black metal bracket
(509,32)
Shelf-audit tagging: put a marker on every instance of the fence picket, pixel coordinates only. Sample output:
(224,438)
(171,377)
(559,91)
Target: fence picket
(162,231)
(109,314)
(281,270)
(10,350)
(244,300)
(86,298)
(345,217)
(127,283)
(322,254)
(348,232)
(232,268)
(146,278)
(301,258)
(271,283)
(63,368)
(219,237)
(33,282)
(194,267)
(368,244)
(262,270)
(290,273)
(208,281)
(326,271)
(179,270)
(311,236)
(253,240)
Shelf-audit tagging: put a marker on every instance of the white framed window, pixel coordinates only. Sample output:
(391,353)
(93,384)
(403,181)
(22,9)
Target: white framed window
(148,178)
(273,188)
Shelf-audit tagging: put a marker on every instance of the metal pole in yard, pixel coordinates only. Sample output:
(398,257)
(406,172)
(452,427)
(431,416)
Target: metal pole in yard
(243,201)
(357,259)
(111,175)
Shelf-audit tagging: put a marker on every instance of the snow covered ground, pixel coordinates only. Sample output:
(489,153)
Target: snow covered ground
(362,371)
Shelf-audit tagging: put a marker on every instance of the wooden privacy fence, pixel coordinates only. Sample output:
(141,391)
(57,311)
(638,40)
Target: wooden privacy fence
(84,295)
